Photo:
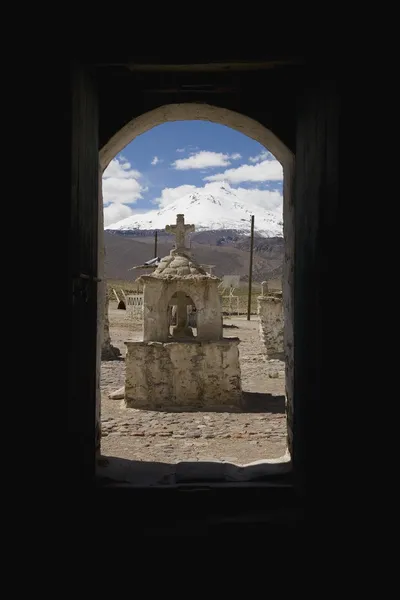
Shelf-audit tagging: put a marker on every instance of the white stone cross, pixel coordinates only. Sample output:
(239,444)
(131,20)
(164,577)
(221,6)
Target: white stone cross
(180,230)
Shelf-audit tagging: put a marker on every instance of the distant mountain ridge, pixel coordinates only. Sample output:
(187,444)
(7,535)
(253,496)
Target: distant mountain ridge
(221,210)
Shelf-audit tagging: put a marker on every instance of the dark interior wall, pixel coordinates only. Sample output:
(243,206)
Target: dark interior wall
(317,384)
(266,96)
(82,123)
(316,203)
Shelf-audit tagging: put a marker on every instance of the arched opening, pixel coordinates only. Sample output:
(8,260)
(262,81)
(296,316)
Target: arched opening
(257,132)
(196,112)
(188,309)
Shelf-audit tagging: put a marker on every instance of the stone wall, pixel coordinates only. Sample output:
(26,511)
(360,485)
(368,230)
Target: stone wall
(270,311)
(183,375)
(100,310)
(288,293)
(157,295)
(108,351)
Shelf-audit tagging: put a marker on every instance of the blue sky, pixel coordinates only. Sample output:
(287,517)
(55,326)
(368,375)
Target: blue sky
(173,159)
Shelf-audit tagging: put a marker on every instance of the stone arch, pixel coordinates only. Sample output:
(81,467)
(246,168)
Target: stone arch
(189,296)
(265,137)
(195,112)
(190,302)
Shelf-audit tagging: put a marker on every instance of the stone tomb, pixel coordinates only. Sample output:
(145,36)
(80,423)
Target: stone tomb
(179,368)
(270,312)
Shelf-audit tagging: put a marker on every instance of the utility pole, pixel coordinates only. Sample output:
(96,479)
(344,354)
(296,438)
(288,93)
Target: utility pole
(250,268)
(155,244)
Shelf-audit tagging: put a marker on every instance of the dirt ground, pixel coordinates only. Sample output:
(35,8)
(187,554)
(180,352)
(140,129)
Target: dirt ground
(256,433)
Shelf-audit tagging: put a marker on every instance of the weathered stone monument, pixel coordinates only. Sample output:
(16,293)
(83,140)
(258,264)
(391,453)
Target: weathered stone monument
(182,367)
(270,311)
(108,351)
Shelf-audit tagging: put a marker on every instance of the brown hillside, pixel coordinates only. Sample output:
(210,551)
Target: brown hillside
(124,252)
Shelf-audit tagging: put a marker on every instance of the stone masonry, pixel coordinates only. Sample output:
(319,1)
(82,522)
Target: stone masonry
(270,311)
(188,367)
(183,375)
(108,351)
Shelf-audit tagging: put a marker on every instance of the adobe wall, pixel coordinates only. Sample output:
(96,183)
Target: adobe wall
(183,375)
(270,312)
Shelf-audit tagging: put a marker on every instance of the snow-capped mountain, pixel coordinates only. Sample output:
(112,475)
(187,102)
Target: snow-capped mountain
(219,210)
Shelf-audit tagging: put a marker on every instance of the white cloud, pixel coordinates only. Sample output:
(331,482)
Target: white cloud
(236,156)
(115,212)
(180,149)
(121,183)
(269,199)
(120,168)
(204,159)
(267,170)
(264,155)
(169,195)
(156,160)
